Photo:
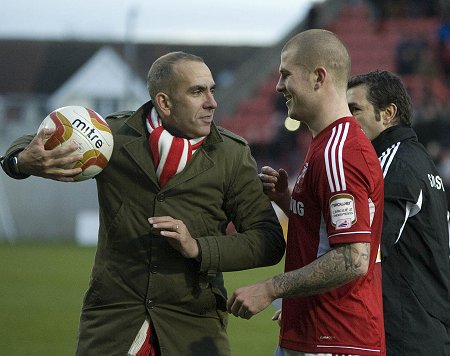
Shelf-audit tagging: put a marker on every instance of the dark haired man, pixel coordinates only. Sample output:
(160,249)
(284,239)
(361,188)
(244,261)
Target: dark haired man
(415,240)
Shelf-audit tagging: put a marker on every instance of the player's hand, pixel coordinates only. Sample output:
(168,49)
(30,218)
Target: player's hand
(275,185)
(248,301)
(177,235)
(37,161)
(277,317)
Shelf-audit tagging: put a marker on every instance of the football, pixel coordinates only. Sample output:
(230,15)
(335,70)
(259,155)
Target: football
(88,129)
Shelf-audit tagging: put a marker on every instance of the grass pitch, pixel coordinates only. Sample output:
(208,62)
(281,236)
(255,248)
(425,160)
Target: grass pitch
(42,287)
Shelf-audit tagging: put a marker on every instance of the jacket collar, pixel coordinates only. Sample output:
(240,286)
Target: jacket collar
(391,136)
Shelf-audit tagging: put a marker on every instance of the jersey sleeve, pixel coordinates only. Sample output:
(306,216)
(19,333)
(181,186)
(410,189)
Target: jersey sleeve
(351,196)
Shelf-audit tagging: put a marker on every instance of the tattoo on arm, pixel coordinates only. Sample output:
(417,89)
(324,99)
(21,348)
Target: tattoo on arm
(355,255)
(337,267)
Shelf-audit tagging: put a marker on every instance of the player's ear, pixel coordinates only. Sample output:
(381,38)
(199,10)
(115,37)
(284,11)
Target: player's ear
(320,75)
(162,103)
(389,114)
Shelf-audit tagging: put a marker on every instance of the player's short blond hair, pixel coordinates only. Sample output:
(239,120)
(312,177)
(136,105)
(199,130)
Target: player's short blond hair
(318,47)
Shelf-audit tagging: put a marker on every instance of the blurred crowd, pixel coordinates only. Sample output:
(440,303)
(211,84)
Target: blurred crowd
(429,62)
(383,9)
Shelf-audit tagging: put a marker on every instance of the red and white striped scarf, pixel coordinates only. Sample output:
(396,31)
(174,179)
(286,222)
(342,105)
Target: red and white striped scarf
(170,153)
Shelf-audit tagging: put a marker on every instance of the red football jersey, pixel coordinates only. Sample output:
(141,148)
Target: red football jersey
(337,198)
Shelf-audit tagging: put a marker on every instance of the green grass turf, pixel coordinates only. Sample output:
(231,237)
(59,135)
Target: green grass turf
(42,287)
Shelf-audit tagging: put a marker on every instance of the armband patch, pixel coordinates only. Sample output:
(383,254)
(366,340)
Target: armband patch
(342,211)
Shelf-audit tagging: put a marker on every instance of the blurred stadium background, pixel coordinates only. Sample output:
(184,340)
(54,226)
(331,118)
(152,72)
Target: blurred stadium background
(408,37)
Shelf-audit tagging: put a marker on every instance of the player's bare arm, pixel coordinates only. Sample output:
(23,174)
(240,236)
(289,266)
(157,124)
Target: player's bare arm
(334,269)
(342,264)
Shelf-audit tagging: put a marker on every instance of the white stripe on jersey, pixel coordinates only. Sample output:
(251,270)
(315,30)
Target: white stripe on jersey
(350,233)
(327,163)
(341,163)
(333,160)
(387,157)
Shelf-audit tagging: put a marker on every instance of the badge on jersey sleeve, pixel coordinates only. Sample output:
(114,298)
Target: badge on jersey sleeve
(342,211)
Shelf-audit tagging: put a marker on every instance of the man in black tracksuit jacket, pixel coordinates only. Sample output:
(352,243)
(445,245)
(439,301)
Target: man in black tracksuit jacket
(415,239)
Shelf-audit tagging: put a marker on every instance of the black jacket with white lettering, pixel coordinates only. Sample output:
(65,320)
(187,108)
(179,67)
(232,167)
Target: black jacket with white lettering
(415,239)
